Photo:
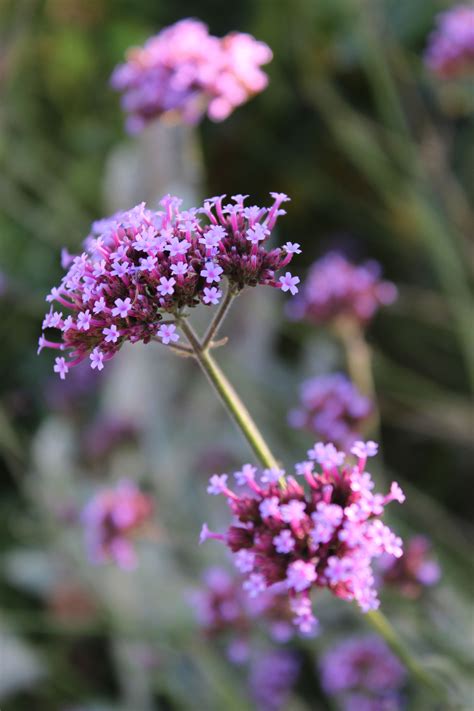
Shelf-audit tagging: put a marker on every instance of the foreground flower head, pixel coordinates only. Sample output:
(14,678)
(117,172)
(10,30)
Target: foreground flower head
(337,288)
(110,519)
(332,408)
(450,50)
(324,534)
(189,72)
(363,674)
(142,266)
(415,570)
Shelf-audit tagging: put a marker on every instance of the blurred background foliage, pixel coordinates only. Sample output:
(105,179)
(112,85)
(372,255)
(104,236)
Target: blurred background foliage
(377,156)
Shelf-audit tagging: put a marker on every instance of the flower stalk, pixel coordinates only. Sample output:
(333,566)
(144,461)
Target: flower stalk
(244,421)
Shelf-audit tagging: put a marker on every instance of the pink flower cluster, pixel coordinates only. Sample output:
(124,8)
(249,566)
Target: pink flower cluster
(325,535)
(337,288)
(415,570)
(450,50)
(110,519)
(332,408)
(140,266)
(187,71)
(224,609)
(363,674)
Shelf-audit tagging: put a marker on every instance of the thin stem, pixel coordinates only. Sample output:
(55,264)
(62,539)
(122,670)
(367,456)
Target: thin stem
(182,350)
(230,398)
(358,358)
(219,317)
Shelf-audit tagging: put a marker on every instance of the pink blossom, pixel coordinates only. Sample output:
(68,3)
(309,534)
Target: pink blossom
(288,283)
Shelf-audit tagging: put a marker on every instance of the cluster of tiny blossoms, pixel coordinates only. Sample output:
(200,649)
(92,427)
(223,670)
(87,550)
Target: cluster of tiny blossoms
(450,50)
(363,674)
(141,266)
(187,71)
(337,288)
(324,535)
(110,519)
(332,408)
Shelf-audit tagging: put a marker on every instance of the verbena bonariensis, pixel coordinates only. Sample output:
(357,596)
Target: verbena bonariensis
(363,674)
(187,71)
(324,535)
(414,571)
(110,520)
(336,288)
(141,266)
(332,408)
(450,50)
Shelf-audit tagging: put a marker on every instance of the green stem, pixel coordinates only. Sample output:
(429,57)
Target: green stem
(358,358)
(230,398)
(250,430)
(216,322)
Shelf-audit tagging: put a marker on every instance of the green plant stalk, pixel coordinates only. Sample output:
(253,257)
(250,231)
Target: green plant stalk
(230,398)
(242,417)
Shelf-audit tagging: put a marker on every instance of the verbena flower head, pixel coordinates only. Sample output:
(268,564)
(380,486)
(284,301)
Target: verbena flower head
(414,571)
(337,288)
(273,674)
(332,408)
(450,50)
(185,70)
(363,674)
(320,535)
(142,266)
(110,519)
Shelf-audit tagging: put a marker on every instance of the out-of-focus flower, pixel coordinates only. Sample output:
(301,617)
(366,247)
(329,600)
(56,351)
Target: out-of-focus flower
(363,674)
(223,610)
(272,677)
(186,71)
(332,408)
(450,50)
(322,536)
(141,266)
(336,288)
(110,519)
(70,396)
(416,569)
(106,434)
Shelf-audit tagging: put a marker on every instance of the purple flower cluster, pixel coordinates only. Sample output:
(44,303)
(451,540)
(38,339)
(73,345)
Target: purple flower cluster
(323,536)
(450,50)
(415,570)
(332,408)
(189,72)
(110,518)
(272,677)
(140,266)
(224,609)
(363,674)
(337,288)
